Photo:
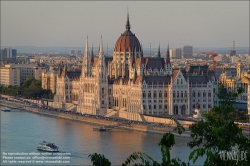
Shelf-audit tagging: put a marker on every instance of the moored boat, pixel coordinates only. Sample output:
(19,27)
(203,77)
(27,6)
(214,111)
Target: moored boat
(5,110)
(102,128)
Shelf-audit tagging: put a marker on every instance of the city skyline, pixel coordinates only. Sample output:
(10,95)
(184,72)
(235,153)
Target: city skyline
(50,24)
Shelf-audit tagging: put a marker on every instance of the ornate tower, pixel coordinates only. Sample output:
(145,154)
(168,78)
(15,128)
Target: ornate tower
(168,67)
(86,66)
(102,80)
(127,49)
(159,52)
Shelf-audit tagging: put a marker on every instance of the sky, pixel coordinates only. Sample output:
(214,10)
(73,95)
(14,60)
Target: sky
(65,23)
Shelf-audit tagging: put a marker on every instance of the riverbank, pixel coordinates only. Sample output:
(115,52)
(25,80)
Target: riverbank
(92,119)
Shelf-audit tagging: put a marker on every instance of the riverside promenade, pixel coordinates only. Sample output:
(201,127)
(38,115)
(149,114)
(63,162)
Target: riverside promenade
(87,118)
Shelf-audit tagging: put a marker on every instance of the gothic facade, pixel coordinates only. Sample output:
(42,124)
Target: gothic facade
(130,85)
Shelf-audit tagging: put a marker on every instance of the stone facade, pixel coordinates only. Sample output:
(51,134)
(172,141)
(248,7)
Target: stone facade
(131,85)
(240,80)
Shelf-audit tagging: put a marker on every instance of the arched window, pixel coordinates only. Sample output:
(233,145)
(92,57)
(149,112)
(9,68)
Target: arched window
(154,94)
(181,94)
(204,94)
(66,86)
(183,110)
(166,94)
(102,91)
(149,94)
(209,94)
(174,94)
(160,94)
(175,110)
(193,93)
(199,94)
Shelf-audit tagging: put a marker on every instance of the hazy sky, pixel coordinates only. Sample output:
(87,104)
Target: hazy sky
(65,23)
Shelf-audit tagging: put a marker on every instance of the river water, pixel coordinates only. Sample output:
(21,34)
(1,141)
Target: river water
(21,132)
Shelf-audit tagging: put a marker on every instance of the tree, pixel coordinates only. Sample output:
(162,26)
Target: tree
(218,135)
(28,81)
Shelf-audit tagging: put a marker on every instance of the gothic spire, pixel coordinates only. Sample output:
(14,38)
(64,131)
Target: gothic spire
(101,56)
(92,54)
(100,47)
(159,53)
(127,23)
(86,47)
(168,57)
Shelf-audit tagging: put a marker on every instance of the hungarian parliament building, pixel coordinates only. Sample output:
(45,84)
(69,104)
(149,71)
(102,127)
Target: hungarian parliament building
(130,85)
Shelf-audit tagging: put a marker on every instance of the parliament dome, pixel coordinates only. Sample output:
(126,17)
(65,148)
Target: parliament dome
(127,41)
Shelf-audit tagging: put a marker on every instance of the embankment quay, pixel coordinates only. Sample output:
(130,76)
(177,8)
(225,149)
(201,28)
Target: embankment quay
(92,119)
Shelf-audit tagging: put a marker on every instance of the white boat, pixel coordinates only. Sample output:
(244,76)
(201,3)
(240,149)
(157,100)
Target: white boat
(47,146)
(5,110)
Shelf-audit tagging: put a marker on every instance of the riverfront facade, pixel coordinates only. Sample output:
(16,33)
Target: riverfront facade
(129,85)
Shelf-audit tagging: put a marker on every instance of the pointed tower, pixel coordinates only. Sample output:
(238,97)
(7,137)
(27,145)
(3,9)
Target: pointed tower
(92,55)
(102,66)
(102,81)
(159,52)
(127,23)
(168,67)
(86,61)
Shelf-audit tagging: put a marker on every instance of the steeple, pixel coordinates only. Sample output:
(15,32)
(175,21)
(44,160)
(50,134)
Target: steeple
(86,60)
(101,56)
(168,64)
(92,54)
(159,53)
(100,47)
(168,57)
(65,70)
(86,47)
(127,23)
(102,65)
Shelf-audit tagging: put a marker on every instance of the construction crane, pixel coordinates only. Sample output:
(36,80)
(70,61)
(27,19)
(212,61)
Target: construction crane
(213,55)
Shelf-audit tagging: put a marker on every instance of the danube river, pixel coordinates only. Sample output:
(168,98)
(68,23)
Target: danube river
(21,132)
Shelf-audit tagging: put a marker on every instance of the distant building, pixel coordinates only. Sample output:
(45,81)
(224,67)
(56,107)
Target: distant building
(239,80)
(16,74)
(187,52)
(8,53)
(49,80)
(175,53)
(9,75)
(232,52)
(72,53)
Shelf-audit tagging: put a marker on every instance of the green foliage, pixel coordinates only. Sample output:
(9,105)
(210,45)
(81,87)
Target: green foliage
(28,82)
(179,128)
(31,88)
(99,160)
(218,132)
(144,158)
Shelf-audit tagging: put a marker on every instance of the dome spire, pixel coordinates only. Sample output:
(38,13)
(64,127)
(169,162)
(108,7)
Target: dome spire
(127,23)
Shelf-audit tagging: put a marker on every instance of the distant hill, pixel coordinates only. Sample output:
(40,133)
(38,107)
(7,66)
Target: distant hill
(31,49)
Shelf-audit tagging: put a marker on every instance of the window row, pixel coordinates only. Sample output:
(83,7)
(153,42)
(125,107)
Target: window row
(194,94)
